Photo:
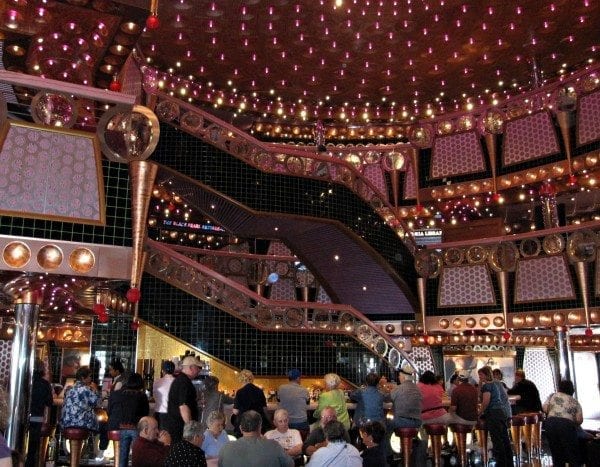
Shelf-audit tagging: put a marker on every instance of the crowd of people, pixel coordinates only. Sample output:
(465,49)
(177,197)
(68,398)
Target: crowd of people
(187,427)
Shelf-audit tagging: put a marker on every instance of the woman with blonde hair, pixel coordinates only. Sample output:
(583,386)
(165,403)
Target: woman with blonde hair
(334,397)
(250,397)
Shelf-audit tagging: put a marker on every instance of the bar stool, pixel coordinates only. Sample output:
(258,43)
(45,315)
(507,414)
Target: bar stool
(45,434)
(75,436)
(517,422)
(536,435)
(406,436)
(530,421)
(460,435)
(436,431)
(482,440)
(115,437)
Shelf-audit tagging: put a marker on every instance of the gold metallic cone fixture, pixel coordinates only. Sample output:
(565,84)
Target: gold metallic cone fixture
(421,290)
(581,271)
(395,186)
(562,118)
(143,174)
(503,284)
(490,144)
(415,161)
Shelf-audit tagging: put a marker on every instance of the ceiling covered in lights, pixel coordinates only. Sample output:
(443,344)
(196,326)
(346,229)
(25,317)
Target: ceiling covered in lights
(348,63)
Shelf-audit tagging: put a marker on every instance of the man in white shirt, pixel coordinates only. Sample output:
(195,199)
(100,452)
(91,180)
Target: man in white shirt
(160,391)
(338,452)
(288,438)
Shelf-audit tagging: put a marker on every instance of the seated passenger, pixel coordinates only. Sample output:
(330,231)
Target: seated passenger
(187,451)
(337,452)
(316,438)
(151,447)
(288,438)
(215,435)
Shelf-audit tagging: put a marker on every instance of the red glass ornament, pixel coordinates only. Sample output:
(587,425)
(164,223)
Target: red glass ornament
(115,85)
(419,208)
(103,318)
(133,295)
(99,309)
(572,180)
(506,335)
(152,22)
(547,189)
(496,197)
(135,325)
(589,332)
(171,207)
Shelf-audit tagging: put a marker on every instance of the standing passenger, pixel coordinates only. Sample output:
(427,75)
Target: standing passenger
(182,406)
(294,398)
(250,397)
(334,397)
(160,391)
(41,403)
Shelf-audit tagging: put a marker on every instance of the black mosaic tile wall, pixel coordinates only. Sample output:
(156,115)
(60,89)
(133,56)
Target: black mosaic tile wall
(239,344)
(282,193)
(118,216)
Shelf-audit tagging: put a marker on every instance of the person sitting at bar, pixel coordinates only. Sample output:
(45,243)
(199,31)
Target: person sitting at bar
(215,436)
(334,397)
(529,400)
(432,407)
(337,452)
(41,403)
(463,401)
(125,409)
(372,435)
(369,402)
(406,400)
(187,452)
(316,437)
(151,446)
(289,438)
(294,398)
(80,402)
(252,450)
(160,391)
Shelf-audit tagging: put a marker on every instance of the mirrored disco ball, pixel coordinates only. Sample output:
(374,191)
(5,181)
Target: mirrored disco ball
(53,109)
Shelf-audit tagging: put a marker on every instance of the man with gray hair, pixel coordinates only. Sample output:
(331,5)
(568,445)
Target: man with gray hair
(252,450)
(187,452)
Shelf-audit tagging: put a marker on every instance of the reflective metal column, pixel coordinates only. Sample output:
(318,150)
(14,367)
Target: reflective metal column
(21,370)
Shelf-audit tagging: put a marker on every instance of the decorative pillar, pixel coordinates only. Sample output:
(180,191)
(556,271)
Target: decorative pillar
(143,175)
(21,370)
(421,290)
(490,144)
(503,285)
(562,349)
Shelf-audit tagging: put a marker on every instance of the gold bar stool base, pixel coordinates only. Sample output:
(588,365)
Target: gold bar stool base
(76,436)
(406,436)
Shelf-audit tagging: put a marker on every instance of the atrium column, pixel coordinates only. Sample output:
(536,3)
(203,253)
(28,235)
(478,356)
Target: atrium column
(21,370)
(563,351)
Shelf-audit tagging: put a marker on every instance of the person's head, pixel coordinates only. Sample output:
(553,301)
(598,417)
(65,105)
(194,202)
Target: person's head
(148,428)
(215,422)
(327,415)
(462,376)
(135,382)
(281,420)
(250,423)
(294,374)
(39,368)
(406,373)
(566,387)
(497,374)
(374,431)
(485,374)
(190,366)
(428,377)
(115,368)
(84,374)
(372,379)
(168,367)
(519,375)
(334,431)
(332,381)
(193,432)
(454,379)
(246,376)
(211,383)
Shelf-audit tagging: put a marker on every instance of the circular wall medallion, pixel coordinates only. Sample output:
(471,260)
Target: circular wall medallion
(394,358)
(553,244)
(49,257)
(530,247)
(82,260)
(453,256)
(476,255)
(16,254)
(428,263)
(294,317)
(346,322)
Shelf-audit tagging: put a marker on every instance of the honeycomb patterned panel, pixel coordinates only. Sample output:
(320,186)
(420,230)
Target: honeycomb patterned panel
(374,173)
(537,361)
(279,249)
(456,155)
(5,354)
(543,278)
(529,138)
(410,182)
(588,116)
(283,290)
(422,357)
(322,296)
(466,286)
